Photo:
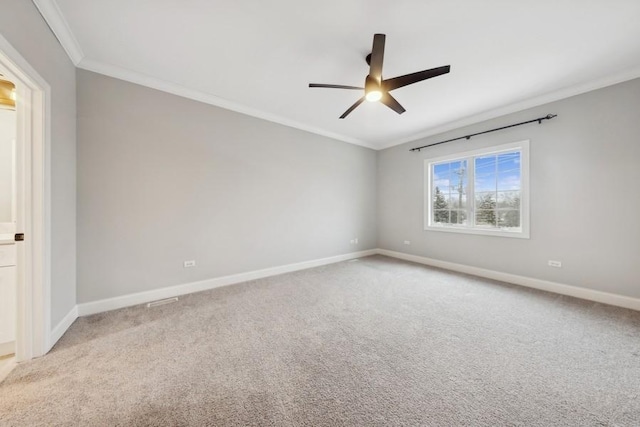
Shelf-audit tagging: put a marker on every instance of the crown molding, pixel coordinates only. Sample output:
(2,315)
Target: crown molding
(547,98)
(53,17)
(196,95)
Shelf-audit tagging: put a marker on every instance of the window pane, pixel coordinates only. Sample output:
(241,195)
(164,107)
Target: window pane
(441,216)
(441,169)
(485,164)
(458,217)
(441,177)
(485,209)
(458,201)
(458,180)
(509,161)
(442,185)
(440,199)
(509,218)
(508,200)
(486,200)
(508,177)
(495,205)
(453,166)
(509,180)
(449,191)
(485,182)
(485,218)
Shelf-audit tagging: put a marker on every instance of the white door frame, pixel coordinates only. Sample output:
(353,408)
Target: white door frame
(33,145)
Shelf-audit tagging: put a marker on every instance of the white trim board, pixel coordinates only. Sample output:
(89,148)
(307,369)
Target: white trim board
(207,98)
(529,282)
(52,14)
(62,327)
(547,98)
(33,180)
(129,300)
(6,348)
(50,10)
(108,304)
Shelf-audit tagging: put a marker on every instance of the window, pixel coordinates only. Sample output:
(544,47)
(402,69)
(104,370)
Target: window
(480,192)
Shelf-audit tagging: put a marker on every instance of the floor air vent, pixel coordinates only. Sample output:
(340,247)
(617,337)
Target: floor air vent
(162,302)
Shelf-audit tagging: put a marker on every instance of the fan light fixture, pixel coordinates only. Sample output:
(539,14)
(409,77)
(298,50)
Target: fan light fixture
(374,96)
(372,90)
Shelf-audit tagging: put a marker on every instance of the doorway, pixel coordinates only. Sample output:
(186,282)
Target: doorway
(30,212)
(8,255)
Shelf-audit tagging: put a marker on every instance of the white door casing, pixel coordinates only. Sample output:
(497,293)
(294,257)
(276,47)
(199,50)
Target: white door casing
(33,107)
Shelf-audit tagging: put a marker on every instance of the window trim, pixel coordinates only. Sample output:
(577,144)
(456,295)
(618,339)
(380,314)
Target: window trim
(523,147)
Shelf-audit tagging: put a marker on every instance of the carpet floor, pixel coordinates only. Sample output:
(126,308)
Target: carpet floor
(372,342)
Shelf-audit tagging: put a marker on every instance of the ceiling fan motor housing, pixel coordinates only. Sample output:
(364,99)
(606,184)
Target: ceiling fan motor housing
(371,84)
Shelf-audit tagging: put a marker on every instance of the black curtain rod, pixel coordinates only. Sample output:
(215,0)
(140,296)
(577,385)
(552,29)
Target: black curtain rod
(539,120)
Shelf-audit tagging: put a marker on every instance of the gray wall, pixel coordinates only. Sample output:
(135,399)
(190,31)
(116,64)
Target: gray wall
(584,195)
(24,28)
(163,179)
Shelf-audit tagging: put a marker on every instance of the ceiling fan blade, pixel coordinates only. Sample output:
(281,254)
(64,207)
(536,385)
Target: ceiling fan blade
(334,86)
(407,79)
(377,57)
(391,102)
(353,107)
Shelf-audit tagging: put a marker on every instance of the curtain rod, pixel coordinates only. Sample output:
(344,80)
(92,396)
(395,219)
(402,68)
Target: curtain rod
(539,120)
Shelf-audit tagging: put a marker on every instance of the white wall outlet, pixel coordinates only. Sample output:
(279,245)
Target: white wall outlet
(407,242)
(553,263)
(188,264)
(355,240)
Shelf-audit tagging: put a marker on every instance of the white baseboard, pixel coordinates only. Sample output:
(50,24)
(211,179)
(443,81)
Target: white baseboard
(108,304)
(544,285)
(115,303)
(7,348)
(6,366)
(62,327)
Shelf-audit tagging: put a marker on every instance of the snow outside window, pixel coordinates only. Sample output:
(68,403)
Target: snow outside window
(479,192)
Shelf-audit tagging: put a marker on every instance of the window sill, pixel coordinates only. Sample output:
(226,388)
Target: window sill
(479,231)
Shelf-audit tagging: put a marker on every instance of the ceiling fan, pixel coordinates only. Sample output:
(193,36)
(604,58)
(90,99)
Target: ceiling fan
(376,88)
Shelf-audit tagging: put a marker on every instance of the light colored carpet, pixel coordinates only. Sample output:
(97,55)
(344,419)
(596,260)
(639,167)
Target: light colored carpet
(376,342)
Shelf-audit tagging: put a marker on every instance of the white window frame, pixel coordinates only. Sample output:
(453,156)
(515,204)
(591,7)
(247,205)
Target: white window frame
(523,148)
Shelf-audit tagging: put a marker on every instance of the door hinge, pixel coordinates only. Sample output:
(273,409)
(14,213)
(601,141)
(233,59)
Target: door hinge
(19,237)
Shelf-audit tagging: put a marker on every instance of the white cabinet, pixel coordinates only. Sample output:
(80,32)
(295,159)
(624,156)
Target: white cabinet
(7,298)
(7,255)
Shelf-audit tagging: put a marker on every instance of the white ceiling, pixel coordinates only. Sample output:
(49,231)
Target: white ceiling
(257,56)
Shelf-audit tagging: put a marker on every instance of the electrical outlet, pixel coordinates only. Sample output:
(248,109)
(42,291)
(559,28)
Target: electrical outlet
(188,264)
(355,240)
(553,263)
(407,242)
